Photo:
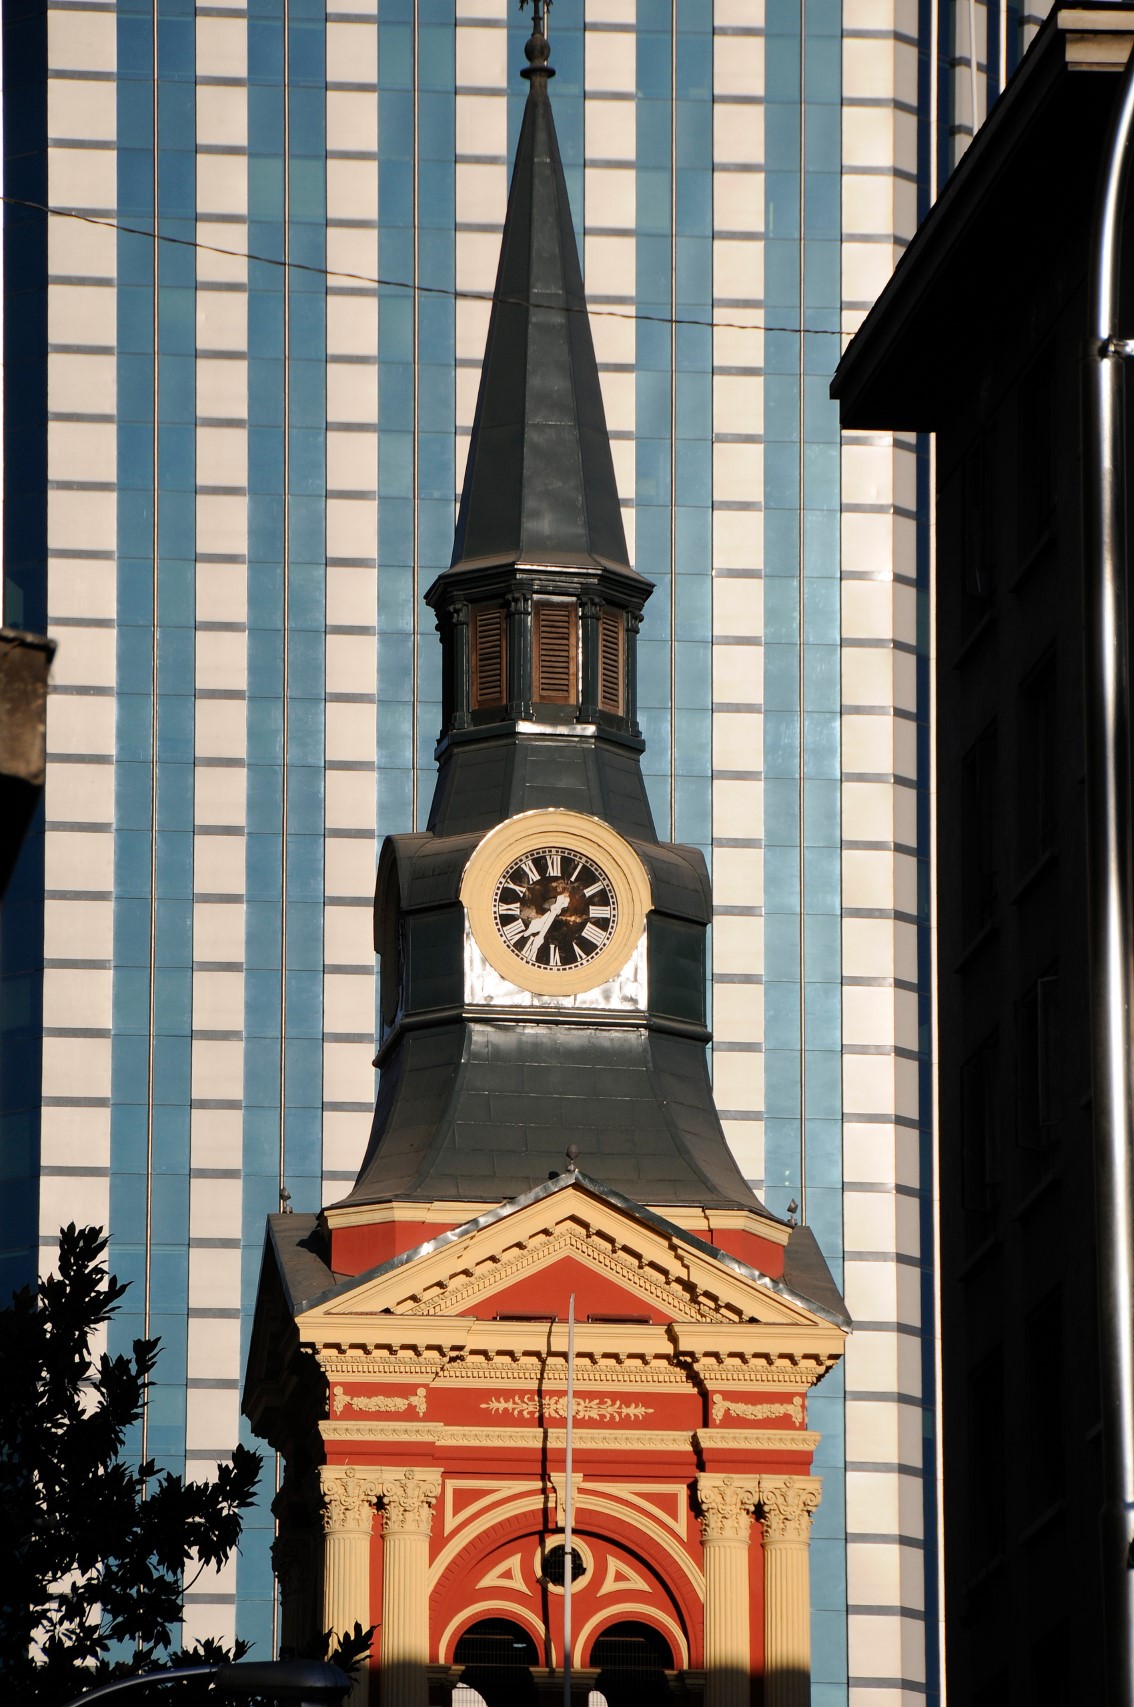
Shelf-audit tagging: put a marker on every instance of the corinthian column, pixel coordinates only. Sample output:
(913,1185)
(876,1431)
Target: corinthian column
(407,1505)
(726,1524)
(348,1518)
(787,1503)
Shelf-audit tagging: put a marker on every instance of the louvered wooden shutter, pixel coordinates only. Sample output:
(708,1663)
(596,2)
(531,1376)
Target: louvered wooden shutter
(611,656)
(555,654)
(487,657)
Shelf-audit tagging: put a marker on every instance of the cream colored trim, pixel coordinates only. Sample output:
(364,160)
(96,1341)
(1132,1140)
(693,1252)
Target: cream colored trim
(491,1495)
(597,842)
(508,1575)
(633,1609)
(637,1517)
(440,1212)
(703,1222)
(757,1440)
(634,1494)
(454,1213)
(470,1614)
(530,1439)
(633,1513)
(620,1576)
(462,1539)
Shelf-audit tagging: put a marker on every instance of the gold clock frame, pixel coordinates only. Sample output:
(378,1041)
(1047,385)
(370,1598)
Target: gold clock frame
(557,826)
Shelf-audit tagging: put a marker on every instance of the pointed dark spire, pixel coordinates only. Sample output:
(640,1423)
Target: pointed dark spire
(539,485)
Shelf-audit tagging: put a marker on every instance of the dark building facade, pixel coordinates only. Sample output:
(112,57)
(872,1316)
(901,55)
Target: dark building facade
(978,339)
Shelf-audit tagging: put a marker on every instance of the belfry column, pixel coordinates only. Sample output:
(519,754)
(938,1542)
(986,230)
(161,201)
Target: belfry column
(726,1525)
(407,1507)
(787,1503)
(348,1519)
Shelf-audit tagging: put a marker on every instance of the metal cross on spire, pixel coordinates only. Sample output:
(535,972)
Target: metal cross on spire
(540,9)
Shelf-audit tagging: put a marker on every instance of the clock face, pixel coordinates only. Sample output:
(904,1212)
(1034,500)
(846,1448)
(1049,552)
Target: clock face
(555,908)
(556,903)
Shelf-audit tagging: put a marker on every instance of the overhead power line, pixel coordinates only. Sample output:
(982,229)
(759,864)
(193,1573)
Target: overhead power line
(376,281)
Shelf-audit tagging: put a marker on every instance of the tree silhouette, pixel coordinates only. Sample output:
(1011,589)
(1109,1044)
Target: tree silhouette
(96,1550)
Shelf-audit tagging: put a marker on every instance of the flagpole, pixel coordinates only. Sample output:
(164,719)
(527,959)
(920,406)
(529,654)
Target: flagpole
(568,1505)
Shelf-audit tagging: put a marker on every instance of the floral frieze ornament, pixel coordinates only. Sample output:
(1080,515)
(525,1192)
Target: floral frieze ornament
(555,1405)
(343,1401)
(790,1408)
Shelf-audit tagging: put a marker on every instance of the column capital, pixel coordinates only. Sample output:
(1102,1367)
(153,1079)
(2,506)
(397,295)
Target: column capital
(407,1500)
(727,1504)
(788,1503)
(348,1498)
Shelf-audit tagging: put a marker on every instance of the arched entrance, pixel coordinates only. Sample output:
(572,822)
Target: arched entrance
(497,1656)
(631,1660)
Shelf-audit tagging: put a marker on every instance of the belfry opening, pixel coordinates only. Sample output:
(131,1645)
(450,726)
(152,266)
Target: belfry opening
(507,1499)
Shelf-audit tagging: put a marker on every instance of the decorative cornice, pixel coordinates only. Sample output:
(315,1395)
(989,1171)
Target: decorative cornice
(727,1506)
(498,1367)
(777,1440)
(518,1439)
(348,1499)
(407,1501)
(787,1504)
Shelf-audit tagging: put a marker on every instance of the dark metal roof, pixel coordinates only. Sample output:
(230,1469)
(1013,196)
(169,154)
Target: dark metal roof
(479,1110)
(539,485)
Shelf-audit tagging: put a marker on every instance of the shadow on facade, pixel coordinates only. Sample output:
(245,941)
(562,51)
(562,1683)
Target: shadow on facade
(505,1683)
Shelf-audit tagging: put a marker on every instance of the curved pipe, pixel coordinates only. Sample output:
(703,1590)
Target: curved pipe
(1109,842)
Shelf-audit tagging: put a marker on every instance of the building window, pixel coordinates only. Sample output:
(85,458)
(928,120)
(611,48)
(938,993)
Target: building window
(987,1461)
(1037,455)
(1037,1064)
(977,536)
(612,661)
(980,878)
(980,1128)
(556,664)
(1038,745)
(489,657)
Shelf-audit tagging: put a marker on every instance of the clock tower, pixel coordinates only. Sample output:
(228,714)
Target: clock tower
(544,1144)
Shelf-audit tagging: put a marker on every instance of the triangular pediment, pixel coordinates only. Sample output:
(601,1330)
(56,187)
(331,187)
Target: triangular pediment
(526,1260)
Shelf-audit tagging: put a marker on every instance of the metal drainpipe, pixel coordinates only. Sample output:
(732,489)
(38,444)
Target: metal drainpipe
(1109,843)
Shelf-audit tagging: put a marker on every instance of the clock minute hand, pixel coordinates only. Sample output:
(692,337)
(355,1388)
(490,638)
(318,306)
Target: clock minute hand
(540,926)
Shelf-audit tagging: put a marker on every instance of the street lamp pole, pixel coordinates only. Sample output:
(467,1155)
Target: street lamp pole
(1110,866)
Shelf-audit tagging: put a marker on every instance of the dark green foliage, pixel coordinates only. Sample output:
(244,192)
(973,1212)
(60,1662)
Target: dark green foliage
(96,1552)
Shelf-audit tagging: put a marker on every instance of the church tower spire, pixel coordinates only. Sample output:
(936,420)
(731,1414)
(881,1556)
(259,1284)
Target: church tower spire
(539,609)
(539,487)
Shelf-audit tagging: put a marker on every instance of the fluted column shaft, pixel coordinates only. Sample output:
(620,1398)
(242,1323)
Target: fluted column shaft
(407,1504)
(348,1519)
(787,1504)
(726,1524)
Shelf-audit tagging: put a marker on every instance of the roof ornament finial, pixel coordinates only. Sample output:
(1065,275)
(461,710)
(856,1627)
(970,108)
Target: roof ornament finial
(537,47)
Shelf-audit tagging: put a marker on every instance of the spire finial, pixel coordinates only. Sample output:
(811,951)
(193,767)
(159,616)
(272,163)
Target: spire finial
(537,47)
